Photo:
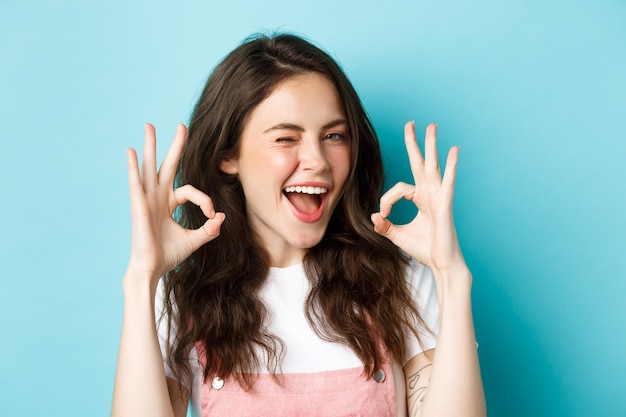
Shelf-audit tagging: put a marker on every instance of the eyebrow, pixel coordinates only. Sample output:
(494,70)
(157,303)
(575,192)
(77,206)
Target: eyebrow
(291,126)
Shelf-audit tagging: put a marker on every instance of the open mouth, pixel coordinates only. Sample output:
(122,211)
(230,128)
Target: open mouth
(305,199)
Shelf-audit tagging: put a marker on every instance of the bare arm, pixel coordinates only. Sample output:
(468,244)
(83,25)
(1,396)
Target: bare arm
(417,373)
(158,245)
(141,388)
(449,383)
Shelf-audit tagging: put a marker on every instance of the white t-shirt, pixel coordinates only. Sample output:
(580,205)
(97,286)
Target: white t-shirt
(284,294)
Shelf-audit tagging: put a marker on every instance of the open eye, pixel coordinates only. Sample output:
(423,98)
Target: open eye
(335,137)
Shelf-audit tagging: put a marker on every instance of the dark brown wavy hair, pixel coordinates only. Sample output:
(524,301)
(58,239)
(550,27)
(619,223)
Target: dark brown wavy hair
(359,295)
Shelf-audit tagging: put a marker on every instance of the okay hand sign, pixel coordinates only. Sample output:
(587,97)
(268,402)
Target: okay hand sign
(430,237)
(159,244)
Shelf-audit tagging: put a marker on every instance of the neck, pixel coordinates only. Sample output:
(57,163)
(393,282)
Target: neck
(285,258)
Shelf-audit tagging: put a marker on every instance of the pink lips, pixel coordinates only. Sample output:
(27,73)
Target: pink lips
(317,214)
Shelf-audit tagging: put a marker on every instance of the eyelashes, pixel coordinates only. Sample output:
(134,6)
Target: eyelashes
(333,137)
(336,136)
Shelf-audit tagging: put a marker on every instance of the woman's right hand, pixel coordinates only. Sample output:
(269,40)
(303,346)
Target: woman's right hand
(159,244)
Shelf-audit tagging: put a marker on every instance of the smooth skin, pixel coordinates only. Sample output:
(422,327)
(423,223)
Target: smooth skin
(439,383)
(158,245)
(298,135)
(445,381)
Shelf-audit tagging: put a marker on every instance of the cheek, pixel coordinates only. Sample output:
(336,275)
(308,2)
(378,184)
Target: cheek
(282,161)
(258,166)
(341,160)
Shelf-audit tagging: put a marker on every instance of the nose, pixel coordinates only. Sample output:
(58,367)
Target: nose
(313,156)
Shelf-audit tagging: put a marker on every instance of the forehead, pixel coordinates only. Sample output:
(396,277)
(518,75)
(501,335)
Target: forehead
(307,99)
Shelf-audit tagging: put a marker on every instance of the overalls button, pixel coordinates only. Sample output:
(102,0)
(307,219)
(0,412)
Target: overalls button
(217,383)
(379,376)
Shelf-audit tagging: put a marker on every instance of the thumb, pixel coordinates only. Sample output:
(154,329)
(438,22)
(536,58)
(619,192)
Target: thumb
(382,225)
(209,230)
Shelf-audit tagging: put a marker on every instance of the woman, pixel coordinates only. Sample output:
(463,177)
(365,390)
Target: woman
(306,303)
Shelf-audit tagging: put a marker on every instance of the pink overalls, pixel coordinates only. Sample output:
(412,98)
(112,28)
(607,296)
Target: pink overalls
(337,393)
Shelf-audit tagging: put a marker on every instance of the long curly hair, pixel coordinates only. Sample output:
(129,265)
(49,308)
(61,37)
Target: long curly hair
(359,295)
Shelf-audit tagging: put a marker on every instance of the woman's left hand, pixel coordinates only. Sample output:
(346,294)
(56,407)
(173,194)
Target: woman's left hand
(431,236)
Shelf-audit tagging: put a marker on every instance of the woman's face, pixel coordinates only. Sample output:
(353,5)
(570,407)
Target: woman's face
(293,162)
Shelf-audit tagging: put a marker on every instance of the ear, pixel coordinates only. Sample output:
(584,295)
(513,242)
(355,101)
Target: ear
(230,166)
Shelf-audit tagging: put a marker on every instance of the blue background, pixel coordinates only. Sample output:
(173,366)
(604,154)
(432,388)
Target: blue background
(534,92)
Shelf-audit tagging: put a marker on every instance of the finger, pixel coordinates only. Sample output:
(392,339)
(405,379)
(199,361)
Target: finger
(134,179)
(449,174)
(189,193)
(399,191)
(381,224)
(430,149)
(209,230)
(148,164)
(385,228)
(168,169)
(412,148)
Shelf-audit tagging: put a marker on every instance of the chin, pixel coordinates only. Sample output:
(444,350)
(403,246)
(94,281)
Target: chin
(307,242)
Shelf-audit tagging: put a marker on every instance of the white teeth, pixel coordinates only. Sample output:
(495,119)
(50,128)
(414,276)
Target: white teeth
(306,190)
